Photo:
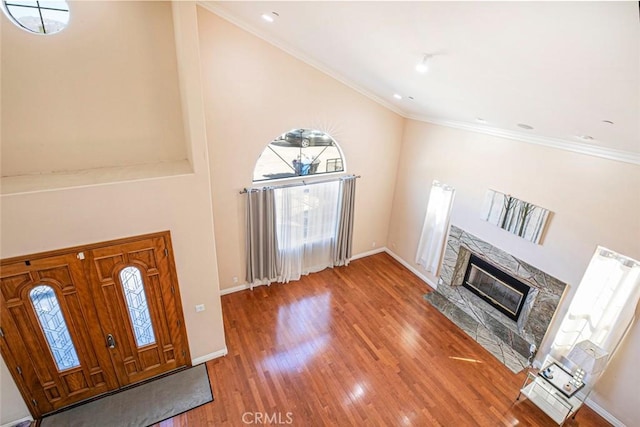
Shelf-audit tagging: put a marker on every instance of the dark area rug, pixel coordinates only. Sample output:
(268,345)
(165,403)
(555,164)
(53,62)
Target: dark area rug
(141,405)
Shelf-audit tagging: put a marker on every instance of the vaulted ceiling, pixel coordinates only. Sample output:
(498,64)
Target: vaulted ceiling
(568,70)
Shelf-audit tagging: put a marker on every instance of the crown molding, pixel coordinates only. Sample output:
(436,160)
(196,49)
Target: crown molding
(224,14)
(567,145)
(562,144)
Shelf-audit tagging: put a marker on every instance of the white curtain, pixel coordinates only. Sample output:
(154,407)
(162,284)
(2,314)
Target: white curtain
(604,305)
(306,218)
(436,227)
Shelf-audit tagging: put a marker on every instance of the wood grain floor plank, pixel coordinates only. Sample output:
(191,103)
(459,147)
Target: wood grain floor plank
(357,346)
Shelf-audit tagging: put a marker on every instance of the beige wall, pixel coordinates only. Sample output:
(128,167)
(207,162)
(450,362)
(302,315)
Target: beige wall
(50,220)
(103,92)
(254,92)
(46,220)
(594,202)
(12,407)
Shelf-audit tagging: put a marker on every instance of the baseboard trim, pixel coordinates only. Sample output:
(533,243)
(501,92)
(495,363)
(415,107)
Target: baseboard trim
(206,357)
(603,413)
(13,423)
(242,287)
(368,253)
(246,286)
(238,288)
(411,268)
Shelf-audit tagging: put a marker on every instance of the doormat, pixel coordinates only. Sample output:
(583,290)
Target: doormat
(141,405)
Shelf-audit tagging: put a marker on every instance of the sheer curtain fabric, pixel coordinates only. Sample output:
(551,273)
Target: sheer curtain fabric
(436,227)
(604,305)
(306,226)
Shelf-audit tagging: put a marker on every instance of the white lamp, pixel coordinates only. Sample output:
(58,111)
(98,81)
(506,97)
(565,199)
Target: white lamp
(589,359)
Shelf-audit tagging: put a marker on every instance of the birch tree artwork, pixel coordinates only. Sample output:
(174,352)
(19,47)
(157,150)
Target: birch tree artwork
(521,218)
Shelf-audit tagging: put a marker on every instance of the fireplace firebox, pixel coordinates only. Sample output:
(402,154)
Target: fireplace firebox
(499,289)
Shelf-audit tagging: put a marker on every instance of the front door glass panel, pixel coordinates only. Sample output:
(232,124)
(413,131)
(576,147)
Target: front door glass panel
(138,308)
(56,332)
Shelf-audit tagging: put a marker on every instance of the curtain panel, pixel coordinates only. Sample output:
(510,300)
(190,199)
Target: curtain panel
(604,306)
(436,227)
(297,230)
(261,239)
(344,234)
(306,223)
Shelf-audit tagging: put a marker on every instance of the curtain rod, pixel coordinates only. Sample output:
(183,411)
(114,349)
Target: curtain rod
(297,184)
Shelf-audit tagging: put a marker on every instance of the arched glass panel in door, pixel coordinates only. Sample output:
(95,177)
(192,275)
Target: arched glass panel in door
(137,305)
(56,332)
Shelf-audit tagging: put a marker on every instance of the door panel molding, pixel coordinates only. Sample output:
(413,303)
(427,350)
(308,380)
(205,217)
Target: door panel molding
(151,257)
(87,287)
(63,276)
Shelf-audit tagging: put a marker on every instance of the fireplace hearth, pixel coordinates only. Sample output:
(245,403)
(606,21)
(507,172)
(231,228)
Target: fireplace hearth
(506,319)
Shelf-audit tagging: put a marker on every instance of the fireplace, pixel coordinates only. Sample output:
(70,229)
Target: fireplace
(497,288)
(528,295)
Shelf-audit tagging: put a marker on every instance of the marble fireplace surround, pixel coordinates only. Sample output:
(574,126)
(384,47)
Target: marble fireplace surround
(505,338)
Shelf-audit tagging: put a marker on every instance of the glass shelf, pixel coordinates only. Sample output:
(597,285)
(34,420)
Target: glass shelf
(557,404)
(560,379)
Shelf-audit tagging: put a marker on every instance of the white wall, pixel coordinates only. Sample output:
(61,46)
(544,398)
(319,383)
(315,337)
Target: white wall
(47,220)
(594,202)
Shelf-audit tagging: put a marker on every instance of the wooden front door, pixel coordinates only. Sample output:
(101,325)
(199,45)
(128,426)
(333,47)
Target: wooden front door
(83,321)
(139,308)
(51,334)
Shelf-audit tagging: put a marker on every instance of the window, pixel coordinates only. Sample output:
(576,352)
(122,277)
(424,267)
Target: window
(604,304)
(47,308)
(41,17)
(137,304)
(306,222)
(299,152)
(436,227)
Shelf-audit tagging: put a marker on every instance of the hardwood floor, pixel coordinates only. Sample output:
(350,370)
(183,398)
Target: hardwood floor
(357,345)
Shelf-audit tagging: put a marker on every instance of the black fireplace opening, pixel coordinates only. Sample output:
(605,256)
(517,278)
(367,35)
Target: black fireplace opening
(499,289)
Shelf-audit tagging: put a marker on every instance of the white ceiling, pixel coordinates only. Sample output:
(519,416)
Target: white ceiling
(561,67)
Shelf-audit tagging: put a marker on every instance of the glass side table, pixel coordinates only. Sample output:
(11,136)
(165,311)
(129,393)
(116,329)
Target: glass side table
(553,391)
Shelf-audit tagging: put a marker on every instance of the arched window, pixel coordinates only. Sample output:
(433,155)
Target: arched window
(56,332)
(40,17)
(299,152)
(136,300)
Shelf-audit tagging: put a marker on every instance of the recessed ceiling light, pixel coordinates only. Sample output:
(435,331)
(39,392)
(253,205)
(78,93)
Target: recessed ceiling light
(525,126)
(396,96)
(607,121)
(586,137)
(270,17)
(422,66)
